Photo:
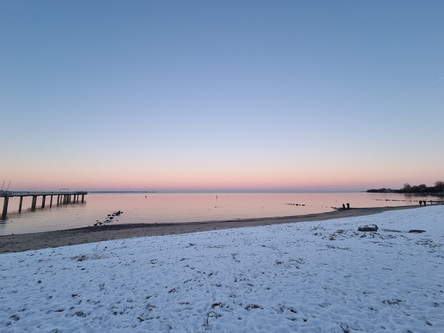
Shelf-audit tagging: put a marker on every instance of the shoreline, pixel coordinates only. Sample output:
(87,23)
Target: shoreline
(51,239)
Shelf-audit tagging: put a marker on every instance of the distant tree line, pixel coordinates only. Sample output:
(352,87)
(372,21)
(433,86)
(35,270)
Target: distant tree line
(415,189)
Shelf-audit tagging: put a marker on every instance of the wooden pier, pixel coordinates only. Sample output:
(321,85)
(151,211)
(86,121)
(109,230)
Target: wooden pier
(63,198)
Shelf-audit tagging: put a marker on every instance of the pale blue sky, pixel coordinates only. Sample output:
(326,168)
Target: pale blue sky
(286,95)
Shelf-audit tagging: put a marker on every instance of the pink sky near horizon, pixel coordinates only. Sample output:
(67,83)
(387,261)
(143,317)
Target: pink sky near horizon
(259,179)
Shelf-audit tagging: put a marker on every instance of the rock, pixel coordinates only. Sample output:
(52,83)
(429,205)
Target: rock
(416,231)
(368,227)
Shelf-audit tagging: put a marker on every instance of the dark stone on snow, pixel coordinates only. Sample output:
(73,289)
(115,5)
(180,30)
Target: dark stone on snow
(369,227)
(416,231)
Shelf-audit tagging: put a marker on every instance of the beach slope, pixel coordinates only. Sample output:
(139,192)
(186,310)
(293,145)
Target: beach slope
(41,240)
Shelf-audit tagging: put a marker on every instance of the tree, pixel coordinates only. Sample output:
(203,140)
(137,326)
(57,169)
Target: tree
(439,186)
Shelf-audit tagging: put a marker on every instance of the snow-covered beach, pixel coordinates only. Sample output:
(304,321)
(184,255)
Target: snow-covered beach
(308,277)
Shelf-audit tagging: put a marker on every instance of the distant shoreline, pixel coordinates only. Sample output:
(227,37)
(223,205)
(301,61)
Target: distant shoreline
(51,239)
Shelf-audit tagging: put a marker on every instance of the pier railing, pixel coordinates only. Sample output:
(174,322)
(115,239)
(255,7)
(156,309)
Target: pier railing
(63,198)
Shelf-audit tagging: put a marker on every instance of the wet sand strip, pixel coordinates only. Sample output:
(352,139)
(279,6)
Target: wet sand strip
(51,239)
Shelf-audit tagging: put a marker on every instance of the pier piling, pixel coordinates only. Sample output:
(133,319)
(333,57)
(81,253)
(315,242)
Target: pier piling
(34,202)
(5,207)
(20,203)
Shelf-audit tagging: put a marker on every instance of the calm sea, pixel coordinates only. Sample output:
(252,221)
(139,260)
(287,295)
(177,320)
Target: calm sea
(186,207)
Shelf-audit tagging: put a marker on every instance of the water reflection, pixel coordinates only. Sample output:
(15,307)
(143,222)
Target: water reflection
(187,207)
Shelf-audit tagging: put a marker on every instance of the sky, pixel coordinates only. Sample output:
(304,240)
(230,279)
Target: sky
(221,95)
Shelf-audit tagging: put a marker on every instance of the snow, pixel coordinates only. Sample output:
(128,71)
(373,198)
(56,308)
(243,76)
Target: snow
(306,277)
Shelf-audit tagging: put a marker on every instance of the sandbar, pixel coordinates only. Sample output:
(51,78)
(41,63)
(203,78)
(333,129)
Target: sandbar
(51,239)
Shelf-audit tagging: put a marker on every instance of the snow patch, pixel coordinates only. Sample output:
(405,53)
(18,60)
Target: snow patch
(312,276)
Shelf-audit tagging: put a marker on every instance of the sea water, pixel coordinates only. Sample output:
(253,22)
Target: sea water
(186,207)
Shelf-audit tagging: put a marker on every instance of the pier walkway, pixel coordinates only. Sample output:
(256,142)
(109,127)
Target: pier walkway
(63,198)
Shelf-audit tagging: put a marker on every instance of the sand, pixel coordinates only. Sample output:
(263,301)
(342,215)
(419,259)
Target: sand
(51,239)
